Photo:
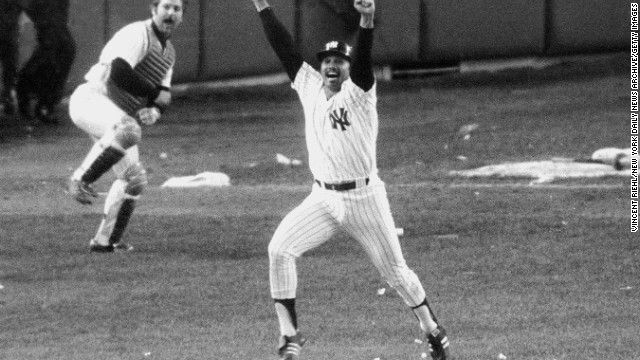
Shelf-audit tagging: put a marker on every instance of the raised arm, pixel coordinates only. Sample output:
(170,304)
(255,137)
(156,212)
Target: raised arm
(362,68)
(280,39)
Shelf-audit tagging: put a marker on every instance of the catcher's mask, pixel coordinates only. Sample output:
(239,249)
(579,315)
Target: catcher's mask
(337,48)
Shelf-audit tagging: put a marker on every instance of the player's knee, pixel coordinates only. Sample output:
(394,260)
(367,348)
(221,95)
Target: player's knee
(128,132)
(136,177)
(272,250)
(278,253)
(400,276)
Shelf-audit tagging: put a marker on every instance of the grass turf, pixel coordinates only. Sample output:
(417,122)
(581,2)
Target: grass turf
(530,272)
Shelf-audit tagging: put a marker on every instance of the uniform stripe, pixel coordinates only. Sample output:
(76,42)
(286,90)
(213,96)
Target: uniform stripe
(365,215)
(338,152)
(341,137)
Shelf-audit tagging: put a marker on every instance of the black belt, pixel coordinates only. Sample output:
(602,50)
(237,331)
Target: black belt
(341,186)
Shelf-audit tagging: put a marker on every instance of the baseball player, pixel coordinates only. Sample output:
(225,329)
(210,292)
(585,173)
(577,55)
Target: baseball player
(128,86)
(341,126)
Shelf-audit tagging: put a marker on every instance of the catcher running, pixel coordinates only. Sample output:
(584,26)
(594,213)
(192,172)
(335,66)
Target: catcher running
(129,86)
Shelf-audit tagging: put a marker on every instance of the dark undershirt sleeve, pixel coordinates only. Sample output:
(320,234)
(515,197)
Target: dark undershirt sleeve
(123,75)
(362,67)
(281,42)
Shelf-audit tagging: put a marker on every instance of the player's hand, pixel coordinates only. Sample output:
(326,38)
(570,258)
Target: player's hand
(163,100)
(365,6)
(148,115)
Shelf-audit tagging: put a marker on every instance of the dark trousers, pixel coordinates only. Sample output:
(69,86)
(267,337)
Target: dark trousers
(9,17)
(44,76)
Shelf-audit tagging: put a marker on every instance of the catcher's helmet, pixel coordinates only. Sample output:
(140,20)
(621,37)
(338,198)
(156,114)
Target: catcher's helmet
(337,48)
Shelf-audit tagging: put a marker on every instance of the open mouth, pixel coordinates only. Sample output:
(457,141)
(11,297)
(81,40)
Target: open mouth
(332,75)
(169,21)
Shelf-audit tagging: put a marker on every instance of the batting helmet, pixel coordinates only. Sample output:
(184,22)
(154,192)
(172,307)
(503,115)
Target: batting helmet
(337,48)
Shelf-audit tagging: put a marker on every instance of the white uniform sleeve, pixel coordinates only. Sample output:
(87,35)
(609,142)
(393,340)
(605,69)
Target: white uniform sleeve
(129,43)
(307,81)
(358,96)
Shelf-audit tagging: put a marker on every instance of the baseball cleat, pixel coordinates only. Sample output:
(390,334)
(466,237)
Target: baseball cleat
(82,192)
(438,344)
(117,247)
(290,346)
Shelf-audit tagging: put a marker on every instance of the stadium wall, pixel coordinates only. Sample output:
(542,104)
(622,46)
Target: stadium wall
(223,39)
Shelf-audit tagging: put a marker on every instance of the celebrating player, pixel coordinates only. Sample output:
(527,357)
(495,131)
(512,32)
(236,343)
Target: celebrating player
(341,120)
(129,85)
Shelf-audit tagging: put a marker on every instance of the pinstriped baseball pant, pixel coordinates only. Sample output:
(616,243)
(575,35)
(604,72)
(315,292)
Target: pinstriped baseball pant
(365,215)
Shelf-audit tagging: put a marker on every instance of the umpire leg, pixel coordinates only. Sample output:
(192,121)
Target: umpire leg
(43,77)
(58,47)
(9,22)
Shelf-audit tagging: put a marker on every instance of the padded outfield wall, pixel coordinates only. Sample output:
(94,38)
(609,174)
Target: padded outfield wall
(223,39)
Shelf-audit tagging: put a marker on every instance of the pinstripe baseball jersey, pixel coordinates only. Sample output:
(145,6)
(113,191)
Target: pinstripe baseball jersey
(341,132)
(146,56)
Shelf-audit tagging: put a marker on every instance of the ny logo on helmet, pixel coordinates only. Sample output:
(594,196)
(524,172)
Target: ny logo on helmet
(339,117)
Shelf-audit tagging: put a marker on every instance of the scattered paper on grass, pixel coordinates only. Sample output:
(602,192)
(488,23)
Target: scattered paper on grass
(466,130)
(281,159)
(543,171)
(447,237)
(423,355)
(622,288)
(147,354)
(381,291)
(1,287)
(501,356)
(204,179)
(400,231)
(417,341)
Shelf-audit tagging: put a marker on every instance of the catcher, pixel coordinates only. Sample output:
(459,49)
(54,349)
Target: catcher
(129,86)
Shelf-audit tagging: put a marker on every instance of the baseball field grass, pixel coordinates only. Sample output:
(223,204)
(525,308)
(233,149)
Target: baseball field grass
(514,271)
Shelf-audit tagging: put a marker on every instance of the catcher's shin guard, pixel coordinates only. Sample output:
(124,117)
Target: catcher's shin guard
(109,150)
(102,163)
(120,204)
(118,209)
(122,220)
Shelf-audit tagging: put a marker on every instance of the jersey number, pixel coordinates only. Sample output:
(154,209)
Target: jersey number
(339,117)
